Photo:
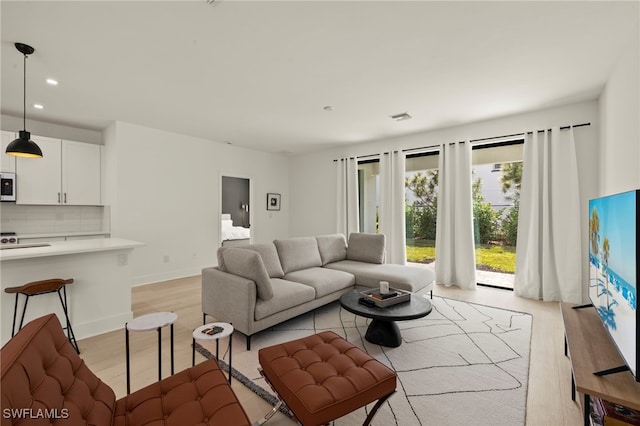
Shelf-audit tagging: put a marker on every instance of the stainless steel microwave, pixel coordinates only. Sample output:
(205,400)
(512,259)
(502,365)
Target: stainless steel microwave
(7,186)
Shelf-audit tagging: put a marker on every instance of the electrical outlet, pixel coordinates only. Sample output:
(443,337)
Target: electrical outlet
(167,259)
(123,260)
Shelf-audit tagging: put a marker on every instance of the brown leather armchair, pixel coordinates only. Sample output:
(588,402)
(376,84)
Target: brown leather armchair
(43,379)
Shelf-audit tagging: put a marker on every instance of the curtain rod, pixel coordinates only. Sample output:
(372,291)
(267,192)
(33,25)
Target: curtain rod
(501,137)
(528,133)
(352,157)
(477,140)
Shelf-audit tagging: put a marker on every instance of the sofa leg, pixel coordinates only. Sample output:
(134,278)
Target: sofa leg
(204,318)
(248,342)
(431,294)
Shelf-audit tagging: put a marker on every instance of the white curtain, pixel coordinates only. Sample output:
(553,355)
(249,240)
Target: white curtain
(548,261)
(455,250)
(347,196)
(392,206)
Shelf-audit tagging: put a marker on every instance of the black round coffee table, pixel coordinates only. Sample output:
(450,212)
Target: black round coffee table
(383,330)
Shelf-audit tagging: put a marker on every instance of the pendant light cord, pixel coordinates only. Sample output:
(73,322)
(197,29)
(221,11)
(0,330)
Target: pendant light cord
(24,91)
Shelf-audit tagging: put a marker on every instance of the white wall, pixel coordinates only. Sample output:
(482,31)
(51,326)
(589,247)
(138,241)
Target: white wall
(620,131)
(313,180)
(164,190)
(41,128)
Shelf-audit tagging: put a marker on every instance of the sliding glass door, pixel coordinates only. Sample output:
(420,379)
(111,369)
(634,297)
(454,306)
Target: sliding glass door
(369,195)
(421,206)
(497,174)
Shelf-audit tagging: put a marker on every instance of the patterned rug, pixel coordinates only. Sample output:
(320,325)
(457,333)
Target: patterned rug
(463,364)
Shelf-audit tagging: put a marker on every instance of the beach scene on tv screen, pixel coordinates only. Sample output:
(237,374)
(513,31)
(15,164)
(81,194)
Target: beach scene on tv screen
(612,268)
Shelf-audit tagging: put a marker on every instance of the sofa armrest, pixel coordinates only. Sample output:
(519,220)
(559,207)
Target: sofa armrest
(229,298)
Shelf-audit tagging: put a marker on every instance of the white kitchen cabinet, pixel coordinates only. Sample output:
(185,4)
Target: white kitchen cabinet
(38,179)
(8,161)
(81,168)
(67,174)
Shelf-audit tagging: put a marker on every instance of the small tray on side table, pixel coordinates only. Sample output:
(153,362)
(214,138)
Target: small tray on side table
(402,296)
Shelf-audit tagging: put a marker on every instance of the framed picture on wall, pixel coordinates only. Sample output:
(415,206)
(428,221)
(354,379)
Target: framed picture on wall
(273,201)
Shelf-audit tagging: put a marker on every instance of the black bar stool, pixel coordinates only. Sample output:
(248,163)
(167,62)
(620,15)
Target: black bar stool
(36,288)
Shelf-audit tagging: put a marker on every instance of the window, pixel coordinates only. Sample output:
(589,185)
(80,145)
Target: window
(368,194)
(421,206)
(497,175)
(421,194)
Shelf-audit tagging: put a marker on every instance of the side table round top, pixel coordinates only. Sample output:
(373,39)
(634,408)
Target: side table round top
(199,333)
(152,321)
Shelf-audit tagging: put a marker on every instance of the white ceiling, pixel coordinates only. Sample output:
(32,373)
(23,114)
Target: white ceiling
(258,74)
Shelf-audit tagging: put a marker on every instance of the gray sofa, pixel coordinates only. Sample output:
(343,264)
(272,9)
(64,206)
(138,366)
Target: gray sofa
(260,285)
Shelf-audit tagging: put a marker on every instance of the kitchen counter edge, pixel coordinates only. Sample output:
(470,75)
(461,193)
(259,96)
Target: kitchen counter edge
(58,248)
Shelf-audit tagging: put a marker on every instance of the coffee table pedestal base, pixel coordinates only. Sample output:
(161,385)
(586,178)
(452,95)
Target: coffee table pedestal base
(384,333)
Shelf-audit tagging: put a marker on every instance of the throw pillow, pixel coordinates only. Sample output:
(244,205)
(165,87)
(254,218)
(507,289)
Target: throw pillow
(270,258)
(366,247)
(248,264)
(333,248)
(221,259)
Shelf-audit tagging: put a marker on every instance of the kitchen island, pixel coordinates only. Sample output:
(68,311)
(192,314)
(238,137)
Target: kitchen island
(100,297)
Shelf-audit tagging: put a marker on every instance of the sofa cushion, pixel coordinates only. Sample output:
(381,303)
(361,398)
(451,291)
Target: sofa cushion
(287,294)
(324,281)
(248,264)
(366,247)
(270,258)
(332,248)
(410,278)
(298,253)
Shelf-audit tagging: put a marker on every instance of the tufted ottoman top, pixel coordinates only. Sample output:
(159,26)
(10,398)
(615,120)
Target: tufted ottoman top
(323,377)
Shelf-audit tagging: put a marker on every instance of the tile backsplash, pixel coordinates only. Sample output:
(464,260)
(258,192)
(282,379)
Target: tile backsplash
(26,219)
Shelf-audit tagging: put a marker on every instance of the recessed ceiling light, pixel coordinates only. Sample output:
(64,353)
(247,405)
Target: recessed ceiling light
(401,117)
(52,82)
(38,106)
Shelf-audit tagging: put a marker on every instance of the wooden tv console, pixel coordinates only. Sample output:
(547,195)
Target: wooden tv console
(591,349)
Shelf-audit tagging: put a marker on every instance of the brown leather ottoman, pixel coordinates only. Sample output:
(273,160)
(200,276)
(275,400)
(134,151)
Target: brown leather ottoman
(323,377)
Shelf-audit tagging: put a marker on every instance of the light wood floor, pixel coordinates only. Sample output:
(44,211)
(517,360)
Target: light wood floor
(549,395)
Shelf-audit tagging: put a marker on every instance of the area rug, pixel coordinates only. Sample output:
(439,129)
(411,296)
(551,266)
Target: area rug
(463,364)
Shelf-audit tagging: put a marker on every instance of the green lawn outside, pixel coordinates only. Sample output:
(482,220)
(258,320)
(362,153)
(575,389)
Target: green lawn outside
(421,251)
(488,257)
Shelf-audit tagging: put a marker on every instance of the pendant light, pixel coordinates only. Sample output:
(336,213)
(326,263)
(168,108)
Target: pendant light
(23,146)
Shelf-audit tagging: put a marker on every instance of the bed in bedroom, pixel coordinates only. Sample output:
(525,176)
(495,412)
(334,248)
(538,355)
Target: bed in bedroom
(233,235)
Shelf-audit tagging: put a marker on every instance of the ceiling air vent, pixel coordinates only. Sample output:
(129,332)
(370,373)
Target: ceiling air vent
(401,117)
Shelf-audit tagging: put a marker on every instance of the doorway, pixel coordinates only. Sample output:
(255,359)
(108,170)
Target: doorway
(235,218)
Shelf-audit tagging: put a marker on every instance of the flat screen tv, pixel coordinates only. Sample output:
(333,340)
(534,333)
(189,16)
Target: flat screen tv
(613,270)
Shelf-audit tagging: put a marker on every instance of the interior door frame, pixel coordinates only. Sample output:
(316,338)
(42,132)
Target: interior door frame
(251,203)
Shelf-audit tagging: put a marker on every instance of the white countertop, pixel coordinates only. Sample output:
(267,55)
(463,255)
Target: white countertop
(61,234)
(57,248)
